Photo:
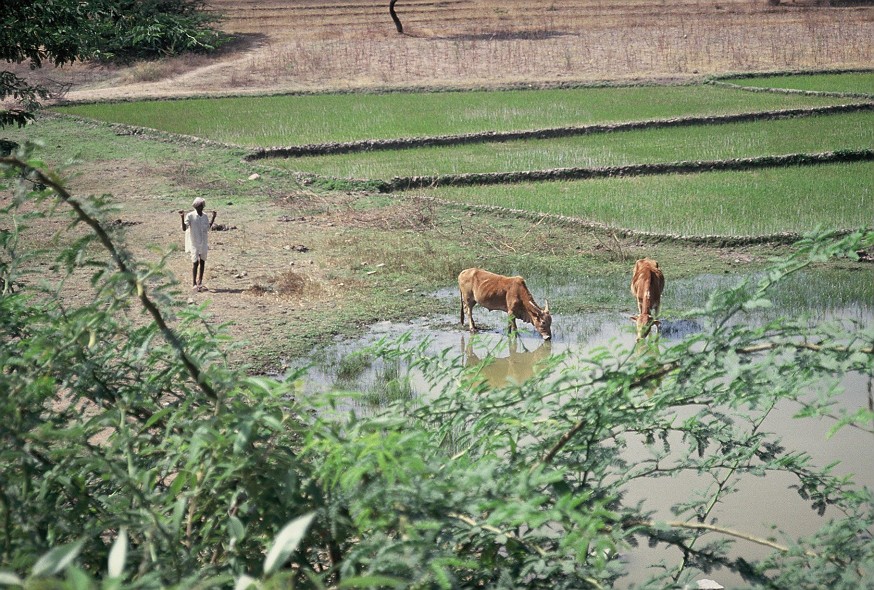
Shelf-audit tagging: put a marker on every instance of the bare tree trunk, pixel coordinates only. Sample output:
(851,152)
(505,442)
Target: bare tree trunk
(394,16)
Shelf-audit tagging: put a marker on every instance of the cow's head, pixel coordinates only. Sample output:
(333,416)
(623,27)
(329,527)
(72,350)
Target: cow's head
(644,323)
(542,322)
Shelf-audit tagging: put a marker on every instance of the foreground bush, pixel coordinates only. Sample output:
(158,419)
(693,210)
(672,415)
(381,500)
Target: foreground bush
(128,29)
(133,456)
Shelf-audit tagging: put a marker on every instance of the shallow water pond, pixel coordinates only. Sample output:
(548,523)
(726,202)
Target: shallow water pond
(759,503)
(346,365)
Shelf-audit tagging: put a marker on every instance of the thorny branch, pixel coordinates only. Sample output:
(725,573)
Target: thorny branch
(492,529)
(127,270)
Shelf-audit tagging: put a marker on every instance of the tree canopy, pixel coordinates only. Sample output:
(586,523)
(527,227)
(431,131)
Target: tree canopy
(60,32)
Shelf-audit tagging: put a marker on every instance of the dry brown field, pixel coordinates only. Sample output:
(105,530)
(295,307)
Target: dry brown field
(311,45)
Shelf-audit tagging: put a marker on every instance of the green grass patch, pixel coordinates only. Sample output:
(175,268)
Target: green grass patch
(795,199)
(701,142)
(295,120)
(178,170)
(855,82)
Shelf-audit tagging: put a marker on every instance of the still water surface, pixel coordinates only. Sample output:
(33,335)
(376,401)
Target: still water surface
(759,503)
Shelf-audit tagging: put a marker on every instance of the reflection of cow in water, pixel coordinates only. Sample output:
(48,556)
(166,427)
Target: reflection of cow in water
(516,368)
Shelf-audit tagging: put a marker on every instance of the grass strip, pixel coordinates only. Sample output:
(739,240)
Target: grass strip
(719,203)
(846,83)
(313,119)
(688,167)
(551,133)
(850,131)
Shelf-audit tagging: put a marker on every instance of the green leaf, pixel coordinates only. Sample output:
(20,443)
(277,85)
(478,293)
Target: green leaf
(159,415)
(760,303)
(56,560)
(236,528)
(179,483)
(245,582)
(286,543)
(260,383)
(10,579)
(118,555)
(371,582)
(178,513)
(79,580)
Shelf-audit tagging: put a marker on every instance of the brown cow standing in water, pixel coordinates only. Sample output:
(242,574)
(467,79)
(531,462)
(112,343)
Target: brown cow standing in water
(497,292)
(647,284)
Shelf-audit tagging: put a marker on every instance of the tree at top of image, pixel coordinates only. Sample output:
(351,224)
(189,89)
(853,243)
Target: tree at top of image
(62,32)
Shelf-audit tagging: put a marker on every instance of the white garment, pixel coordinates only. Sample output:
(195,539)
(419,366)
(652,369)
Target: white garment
(196,235)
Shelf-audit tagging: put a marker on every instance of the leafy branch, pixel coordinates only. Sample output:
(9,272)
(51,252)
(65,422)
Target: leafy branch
(122,261)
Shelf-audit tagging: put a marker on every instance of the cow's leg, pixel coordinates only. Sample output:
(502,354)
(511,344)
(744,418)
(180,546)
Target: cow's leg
(467,303)
(511,324)
(467,306)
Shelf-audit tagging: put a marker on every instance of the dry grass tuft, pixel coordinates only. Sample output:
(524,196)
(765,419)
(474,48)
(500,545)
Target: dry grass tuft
(286,285)
(147,71)
(290,283)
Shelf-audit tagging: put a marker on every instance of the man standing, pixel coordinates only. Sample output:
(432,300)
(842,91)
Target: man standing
(196,226)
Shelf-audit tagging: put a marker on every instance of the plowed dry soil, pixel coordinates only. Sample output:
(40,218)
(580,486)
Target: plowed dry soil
(312,45)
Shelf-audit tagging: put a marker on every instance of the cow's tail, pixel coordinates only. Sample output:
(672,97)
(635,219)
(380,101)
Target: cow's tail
(461,300)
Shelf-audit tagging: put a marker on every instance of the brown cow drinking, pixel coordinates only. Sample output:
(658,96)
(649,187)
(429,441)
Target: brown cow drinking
(497,292)
(647,284)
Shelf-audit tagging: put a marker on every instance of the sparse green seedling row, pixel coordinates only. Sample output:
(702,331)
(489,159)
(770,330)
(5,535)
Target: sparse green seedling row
(719,203)
(854,82)
(306,119)
(701,142)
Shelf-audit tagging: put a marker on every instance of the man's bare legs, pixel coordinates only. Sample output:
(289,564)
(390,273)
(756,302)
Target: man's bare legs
(197,273)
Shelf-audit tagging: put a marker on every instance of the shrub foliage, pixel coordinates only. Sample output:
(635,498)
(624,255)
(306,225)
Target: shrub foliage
(63,31)
(136,29)
(134,456)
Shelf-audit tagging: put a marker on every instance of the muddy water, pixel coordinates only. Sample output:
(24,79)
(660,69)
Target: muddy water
(759,503)
(763,502)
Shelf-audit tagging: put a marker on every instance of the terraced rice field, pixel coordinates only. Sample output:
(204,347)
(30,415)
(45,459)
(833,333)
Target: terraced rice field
(311,119)
(760,198)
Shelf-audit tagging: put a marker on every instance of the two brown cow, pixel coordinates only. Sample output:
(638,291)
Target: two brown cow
(511,295)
